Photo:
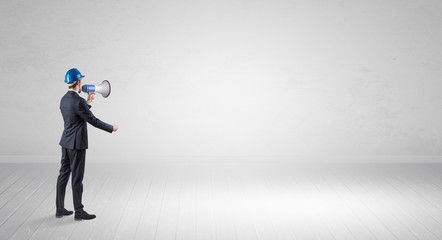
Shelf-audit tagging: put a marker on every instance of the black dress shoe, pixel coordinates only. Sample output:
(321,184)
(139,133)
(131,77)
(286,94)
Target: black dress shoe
(83,216)
(63,212)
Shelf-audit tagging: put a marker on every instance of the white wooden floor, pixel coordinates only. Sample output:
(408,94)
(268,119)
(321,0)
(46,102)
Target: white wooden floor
(179,201)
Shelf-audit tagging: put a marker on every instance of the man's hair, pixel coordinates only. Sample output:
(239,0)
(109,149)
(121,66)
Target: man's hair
(75,84)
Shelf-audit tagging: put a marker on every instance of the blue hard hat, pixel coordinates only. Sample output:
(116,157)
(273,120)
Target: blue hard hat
(72,76)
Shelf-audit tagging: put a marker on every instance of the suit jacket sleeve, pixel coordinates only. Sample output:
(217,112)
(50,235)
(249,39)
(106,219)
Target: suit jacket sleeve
(86,114)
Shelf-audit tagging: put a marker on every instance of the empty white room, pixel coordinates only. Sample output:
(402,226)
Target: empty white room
(246,119)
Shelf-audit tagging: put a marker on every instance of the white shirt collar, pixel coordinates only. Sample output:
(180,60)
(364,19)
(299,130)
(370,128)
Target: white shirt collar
(73,91)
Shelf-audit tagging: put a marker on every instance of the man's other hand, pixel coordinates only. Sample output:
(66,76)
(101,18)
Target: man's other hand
(115,128)
(90,98)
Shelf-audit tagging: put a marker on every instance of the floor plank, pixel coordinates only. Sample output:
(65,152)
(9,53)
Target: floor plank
(168,219)
(114,210)
(133,212)
(152,206)
(186,226)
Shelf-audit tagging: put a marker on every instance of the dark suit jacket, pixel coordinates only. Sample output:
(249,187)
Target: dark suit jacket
(76,113)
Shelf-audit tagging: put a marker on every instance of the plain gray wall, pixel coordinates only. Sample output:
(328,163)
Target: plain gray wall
(223,79)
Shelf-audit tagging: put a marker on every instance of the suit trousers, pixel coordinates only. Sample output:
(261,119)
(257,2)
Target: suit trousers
(72,160)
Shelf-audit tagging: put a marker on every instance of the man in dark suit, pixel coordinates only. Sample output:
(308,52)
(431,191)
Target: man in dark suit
(74,142)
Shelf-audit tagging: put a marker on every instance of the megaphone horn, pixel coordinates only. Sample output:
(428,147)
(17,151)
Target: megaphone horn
(103,88)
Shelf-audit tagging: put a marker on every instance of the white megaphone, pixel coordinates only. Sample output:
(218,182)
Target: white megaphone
(104,88)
